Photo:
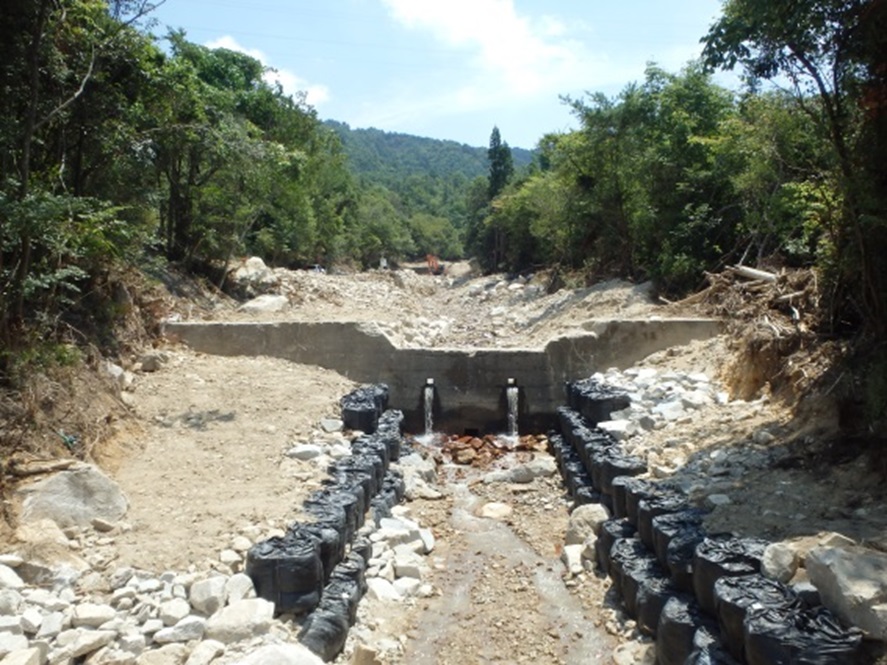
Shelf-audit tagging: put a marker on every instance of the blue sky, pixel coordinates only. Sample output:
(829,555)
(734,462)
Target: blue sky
(450,69)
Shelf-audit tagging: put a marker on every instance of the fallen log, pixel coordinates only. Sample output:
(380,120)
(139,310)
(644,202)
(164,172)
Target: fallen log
(754,273)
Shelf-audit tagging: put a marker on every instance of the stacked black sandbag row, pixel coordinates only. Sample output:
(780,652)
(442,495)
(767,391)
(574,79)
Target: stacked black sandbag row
(595,400)
(312,572)
(362,408)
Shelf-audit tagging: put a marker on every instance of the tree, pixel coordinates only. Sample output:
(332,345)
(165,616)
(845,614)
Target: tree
(501,164)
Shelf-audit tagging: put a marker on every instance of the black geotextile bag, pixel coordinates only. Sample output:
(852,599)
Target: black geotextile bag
(592,440)
(679,556)
(795,635)
(287,571)
(558,447)
(585,495)
(615,464)
(680,619)
(624,553)
(653,592)
(611,531)
(332,543)
(717,557)
(667,526)
(390,430)
(708,649)
(348,582)
(370,445)
(734,595)
(596,400)
(669,501)
(325,631)
(637,491)
(353,470)
(635,574)
(363,547)
(361,408)
(621,488)
(324,505)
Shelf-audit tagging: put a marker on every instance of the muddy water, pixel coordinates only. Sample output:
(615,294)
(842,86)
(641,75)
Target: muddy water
(501,601)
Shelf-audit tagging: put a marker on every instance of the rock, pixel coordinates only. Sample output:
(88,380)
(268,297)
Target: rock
(495,511)
(10,602)
(266,303)
(230,558)
(762,437)
(11,625)
(780,562)
(585,520)
(716,500)
(173,611)
(620,429)
(407,586)
(10,642)
(9,579)
(330,425)
(51,625)
(11,560)
(380,589)
(239,587)
(205,652)
(92,615)
(240,621)
(365,655)
(241,544)
(103,525)
(281,654)
(31,620)
(407,563)
(88,641)
(188,629)
(634,653)
(853,584)
(427,538)
(305,452)
(152,361)
(169,654)
(541,467)
(32,656)
(74,497)
(207,596)
(571,556)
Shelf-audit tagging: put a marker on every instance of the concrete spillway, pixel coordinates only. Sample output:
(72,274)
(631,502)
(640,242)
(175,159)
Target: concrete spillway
(469,383)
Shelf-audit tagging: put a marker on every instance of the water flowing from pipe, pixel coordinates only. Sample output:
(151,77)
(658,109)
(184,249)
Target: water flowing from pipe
(512,399)
(428,399)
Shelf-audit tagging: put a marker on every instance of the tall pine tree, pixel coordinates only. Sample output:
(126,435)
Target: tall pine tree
(501,164)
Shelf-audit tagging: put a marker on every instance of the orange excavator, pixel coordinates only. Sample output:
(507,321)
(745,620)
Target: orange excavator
(435,267)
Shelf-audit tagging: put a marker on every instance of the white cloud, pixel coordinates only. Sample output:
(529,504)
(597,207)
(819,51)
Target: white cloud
(292,84)
(515,56)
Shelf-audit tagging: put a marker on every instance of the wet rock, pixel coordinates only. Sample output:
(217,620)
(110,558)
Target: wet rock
(853,584)
(74,498)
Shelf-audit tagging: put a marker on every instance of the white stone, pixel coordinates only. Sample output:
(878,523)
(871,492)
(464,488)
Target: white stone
(427,538)
(88,641)
(151,626)
(407,586)
(241,544)
(780,562)
(330,425)
(74,498)
(495,510)
(407,564)
(853,584)
(381,589)
(51,625)
(620,429)
(205,652)
(173,611)
(9,579)
(32,656)
(634,653)
(305,452)
(11,642)
(31,619)
(240,621)
(541,467)
(208,595)
(10,602)
(168,654)
(571,556)
(189,628)
(132,642)
(239,587)
(281,654)
(92,615)
(230,557)
(266,303)
(585,520)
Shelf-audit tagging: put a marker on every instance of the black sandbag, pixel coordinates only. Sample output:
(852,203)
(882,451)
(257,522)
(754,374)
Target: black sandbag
(394,482)
(679,556)
(708,649)
(667,502)
(611,531)
(621,487)
(332,544)
(358,470)
(592,440)
(717,557)
(390,429)
(331,513)
(652,594)
(287,571)
(361,408)
(635,492)
(734,595)
(790,634)
(363,547)
(353,567)
(325,631)
(558,447)
(667,526)
(585,495)
(625,553)
(595,467)
(379,509)
(344,593)
(596,400)
(680,619)
(371,445)
(374,464)
(634,574)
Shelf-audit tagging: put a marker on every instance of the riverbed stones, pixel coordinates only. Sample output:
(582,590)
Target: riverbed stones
(241,620)
(208,595)
(74,497)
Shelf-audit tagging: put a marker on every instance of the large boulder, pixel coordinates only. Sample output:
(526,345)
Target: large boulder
(853,584)
(74,498)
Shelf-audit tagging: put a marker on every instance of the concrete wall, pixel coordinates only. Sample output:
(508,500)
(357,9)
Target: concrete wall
(469,384)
